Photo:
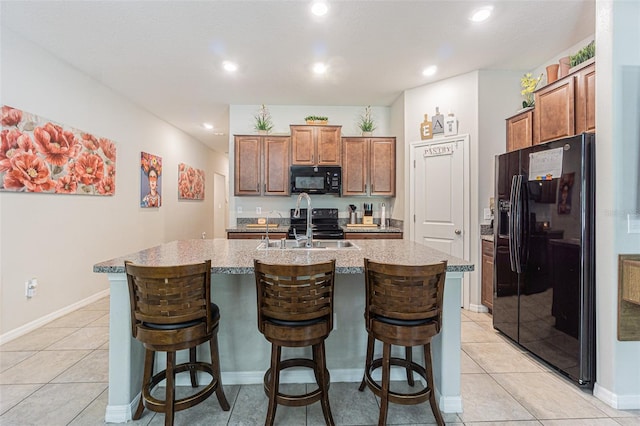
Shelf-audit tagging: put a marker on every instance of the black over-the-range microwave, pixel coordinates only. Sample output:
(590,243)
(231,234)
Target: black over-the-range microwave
(316,179)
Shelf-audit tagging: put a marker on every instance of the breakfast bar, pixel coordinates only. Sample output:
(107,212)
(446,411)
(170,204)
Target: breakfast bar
(244,353)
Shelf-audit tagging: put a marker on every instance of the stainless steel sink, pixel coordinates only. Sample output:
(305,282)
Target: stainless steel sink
(300,245)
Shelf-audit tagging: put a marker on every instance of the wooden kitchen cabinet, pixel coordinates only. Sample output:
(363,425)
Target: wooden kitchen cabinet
(567,106)
(255,235)
(261,165)
(369,166)
(586,99)
(372,235)
(520,130)
(315,145)
(487,274)
(555,111)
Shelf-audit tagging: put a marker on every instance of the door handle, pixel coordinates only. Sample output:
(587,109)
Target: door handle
(458,231)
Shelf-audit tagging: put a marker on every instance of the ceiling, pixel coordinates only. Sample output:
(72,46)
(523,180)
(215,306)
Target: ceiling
(166,56)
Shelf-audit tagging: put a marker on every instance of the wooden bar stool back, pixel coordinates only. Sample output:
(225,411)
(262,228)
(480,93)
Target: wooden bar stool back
(403,307)
(295,309)
(171,310)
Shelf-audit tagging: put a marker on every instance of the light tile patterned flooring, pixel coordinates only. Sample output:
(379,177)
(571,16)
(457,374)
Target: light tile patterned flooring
(57,375)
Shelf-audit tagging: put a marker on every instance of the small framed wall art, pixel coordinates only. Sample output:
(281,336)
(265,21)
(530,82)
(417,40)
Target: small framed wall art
(190,183)
(150,180)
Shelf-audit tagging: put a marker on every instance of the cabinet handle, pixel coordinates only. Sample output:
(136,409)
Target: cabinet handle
(265,188)
(258,187)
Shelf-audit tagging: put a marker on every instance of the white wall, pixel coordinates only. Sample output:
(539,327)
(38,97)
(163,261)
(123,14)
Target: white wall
(241,122)
(58,238)
(617,190)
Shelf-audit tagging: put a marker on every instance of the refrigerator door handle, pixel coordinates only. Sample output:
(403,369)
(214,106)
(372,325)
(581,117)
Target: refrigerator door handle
(517,220)
(512,218)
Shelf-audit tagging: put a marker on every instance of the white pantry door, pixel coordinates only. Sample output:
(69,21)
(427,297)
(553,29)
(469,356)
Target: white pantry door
(439,195)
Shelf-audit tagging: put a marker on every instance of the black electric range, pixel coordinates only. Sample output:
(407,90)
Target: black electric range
(324,224)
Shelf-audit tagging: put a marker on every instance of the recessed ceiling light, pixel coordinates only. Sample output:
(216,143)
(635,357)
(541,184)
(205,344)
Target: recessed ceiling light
(319,68)
(229,66)
(207,126)
(481,14)
(429,71)
(319,8)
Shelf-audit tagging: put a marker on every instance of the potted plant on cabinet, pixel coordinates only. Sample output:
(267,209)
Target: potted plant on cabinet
(316,119)
(263,123)
(582,56)
(365,123)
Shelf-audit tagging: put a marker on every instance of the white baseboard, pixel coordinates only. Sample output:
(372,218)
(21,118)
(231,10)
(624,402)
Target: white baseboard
(478,308)
(619,402)
(33,325)
(121,413)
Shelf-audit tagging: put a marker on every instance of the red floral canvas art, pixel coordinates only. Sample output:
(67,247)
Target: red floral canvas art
(39,155)
(190,183)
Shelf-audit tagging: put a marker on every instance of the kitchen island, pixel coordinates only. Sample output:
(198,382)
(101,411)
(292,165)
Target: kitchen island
(244,353)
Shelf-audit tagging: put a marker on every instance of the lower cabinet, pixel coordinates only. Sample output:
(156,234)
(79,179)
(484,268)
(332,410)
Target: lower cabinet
(487,274)
(255,235)
(373,235)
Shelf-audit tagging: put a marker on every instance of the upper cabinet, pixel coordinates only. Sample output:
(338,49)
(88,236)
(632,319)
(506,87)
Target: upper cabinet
(566,107)
(369,166)
(520,130)
(586,99)
(315,145)
(261,165)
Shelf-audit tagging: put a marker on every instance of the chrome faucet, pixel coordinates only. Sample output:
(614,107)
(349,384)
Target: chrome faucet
(296,214)
(266,239)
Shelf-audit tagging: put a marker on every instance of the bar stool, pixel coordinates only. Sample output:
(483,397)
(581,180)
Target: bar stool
(171,310)
(403,307)
(295,309)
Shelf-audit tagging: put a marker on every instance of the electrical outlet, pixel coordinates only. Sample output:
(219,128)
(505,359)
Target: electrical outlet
(239,209)
(30,287)
(487,214)
(335,321)
(258,210)
(633,223)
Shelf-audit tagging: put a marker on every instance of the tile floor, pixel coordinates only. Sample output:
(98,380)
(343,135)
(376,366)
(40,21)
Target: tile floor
(57,375)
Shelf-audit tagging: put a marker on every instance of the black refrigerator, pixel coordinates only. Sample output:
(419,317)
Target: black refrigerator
(544,245)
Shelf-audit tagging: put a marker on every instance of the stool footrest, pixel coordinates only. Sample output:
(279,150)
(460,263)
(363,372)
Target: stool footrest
(398,397)
(296,400)
(159,405)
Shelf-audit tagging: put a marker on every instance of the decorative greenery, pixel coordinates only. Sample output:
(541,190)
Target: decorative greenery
(529,85)
(587,52)
(263,119)
(365,122)
(316,118)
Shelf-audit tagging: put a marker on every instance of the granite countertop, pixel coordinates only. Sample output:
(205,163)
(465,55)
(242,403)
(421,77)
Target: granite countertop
(487,237)
(236,256)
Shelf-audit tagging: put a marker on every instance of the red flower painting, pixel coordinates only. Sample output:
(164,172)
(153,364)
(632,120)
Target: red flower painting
(38,155)
(190,183)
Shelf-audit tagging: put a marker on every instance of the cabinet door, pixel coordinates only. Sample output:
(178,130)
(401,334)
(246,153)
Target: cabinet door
(276,165)
(247,176)
(328,145)
(355,155)
(520,131)
(382,166)
(555,111)
(586,100)
(302,145)
(487,274)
